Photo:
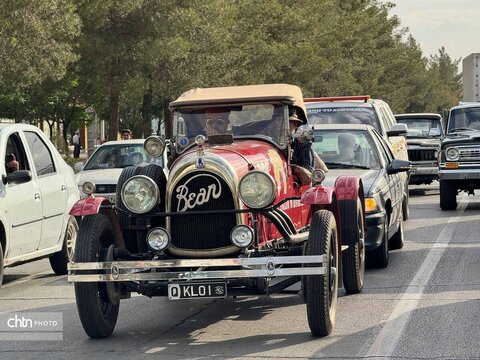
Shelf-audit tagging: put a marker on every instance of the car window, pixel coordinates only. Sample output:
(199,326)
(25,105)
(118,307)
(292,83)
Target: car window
(464,118)
(120,156)
(422,127)
(346,147)
(384,151)
(343,115)
(42,157)
(14,146)
(386,119)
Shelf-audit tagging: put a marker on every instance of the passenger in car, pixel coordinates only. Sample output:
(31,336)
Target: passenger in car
(346,149)
(216,121)
(304,160)
(11,163)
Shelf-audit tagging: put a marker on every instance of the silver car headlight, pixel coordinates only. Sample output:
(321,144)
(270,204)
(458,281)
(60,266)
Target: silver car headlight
(140,194)
(452,154)
(257,189)
(154,146)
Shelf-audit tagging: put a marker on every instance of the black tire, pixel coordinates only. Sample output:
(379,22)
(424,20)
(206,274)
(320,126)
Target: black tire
(124,219)
(97,313)
(405,208)
(59,260)
(1,265)
(353,235)
(448,195)
(157,174)
(396,241)
(320,291)
(380,256)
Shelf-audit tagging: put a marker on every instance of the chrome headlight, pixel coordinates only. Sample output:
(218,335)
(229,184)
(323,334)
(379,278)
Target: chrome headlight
(140,194)
(318,175)
(158,239)
(452,154)
(257,189)
(88,188)
(154,146)
(242,236)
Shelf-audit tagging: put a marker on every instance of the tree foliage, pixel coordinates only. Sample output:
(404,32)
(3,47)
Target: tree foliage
(128,59)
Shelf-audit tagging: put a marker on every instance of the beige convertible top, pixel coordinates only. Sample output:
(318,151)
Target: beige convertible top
(289,94)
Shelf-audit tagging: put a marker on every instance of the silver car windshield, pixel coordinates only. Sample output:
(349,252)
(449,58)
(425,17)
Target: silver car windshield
(343,115)
(464,119)
(267,121)
(120,156)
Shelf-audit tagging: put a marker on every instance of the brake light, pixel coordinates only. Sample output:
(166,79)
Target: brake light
(338,98)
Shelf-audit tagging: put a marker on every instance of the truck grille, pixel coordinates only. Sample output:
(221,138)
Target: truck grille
(471,153)
(105,188)
(201,191)
(422,154)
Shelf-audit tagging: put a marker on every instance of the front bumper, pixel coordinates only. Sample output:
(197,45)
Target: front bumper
(375,230)
(420,169)
(232,268)
(459,174)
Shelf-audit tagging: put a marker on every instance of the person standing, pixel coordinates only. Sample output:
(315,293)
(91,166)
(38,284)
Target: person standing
(76,145)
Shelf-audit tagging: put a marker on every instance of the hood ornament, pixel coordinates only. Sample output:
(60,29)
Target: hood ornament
(200,162)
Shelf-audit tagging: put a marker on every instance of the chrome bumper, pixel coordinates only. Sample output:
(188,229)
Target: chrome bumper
(459,174)
(172,269)
(418,169)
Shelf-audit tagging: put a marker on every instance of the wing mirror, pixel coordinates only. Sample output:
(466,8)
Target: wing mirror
(19,176)
(398,166)
(304,134)
(398,130)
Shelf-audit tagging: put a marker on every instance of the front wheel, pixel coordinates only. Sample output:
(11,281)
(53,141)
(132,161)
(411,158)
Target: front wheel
(353,235)
(448,195)
(59,260)
(396,242)
(320,291)
(97,312)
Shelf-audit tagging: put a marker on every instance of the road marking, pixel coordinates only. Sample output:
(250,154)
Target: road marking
(388,338)
(26,278)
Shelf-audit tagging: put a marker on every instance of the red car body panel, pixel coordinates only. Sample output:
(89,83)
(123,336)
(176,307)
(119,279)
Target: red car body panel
(88,206)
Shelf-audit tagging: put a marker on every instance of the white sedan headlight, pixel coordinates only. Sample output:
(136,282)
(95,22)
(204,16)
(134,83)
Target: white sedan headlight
(140,194)
(257,189)
(452,154)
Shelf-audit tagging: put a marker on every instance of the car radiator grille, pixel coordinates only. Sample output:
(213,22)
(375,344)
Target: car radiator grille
(469,154)
(201,191)
(422,154)
(105,188)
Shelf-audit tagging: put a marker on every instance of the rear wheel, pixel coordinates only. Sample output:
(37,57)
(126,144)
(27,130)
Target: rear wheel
(448,195)
(59,260)
(353,235)
(98,313)
(320,291)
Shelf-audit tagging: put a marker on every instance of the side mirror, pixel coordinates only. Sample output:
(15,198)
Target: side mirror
(78,166)
(19,176)
(398,130)
(398,166)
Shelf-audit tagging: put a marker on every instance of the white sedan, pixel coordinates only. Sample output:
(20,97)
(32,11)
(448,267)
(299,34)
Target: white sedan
(35,198)
(104,167)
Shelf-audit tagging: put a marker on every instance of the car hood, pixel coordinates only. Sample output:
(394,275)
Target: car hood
(99,176)
(368,177)
(424,142)
(462,138)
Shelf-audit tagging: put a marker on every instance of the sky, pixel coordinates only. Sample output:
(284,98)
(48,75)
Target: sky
(453,24)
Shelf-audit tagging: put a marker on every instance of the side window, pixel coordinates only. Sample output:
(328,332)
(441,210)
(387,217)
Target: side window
(14,150)
(385,152)
(386,119)
(42,158)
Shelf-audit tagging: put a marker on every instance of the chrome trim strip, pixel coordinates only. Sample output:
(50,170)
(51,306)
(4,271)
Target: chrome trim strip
(193,275)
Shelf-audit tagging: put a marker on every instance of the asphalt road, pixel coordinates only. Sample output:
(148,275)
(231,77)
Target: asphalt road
(425,305)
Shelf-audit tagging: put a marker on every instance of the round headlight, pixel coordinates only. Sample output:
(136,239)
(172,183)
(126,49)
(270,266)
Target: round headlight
(140,194)
(452,154)
(257,189)
(318,175)
(158,239)
(88,188)
(242,236)
(154,146)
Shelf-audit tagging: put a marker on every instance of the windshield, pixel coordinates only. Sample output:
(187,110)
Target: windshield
(466,118)
(343,115)
(422,128)
(119,156)
(341,148)
(267,121)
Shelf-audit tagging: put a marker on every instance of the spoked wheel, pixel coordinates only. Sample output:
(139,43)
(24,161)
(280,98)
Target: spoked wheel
(353,234)
(97,310)
(59,260)
(320,291)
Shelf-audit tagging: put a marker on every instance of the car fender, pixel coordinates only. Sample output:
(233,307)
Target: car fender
(318,195)
(349,188)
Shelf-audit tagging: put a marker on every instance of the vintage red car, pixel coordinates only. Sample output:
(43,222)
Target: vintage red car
(229,221)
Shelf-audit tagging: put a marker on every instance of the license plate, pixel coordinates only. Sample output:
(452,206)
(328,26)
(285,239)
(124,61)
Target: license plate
(188,290)
(111,198)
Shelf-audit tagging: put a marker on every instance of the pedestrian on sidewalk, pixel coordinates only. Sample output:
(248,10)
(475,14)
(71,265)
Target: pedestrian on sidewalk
(76,145)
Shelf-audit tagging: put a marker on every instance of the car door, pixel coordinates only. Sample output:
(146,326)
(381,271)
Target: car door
(395,184)
(53,189)
(23,204)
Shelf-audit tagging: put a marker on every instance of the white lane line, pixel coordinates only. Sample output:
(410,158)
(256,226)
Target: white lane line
(386,341)
(25,279)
